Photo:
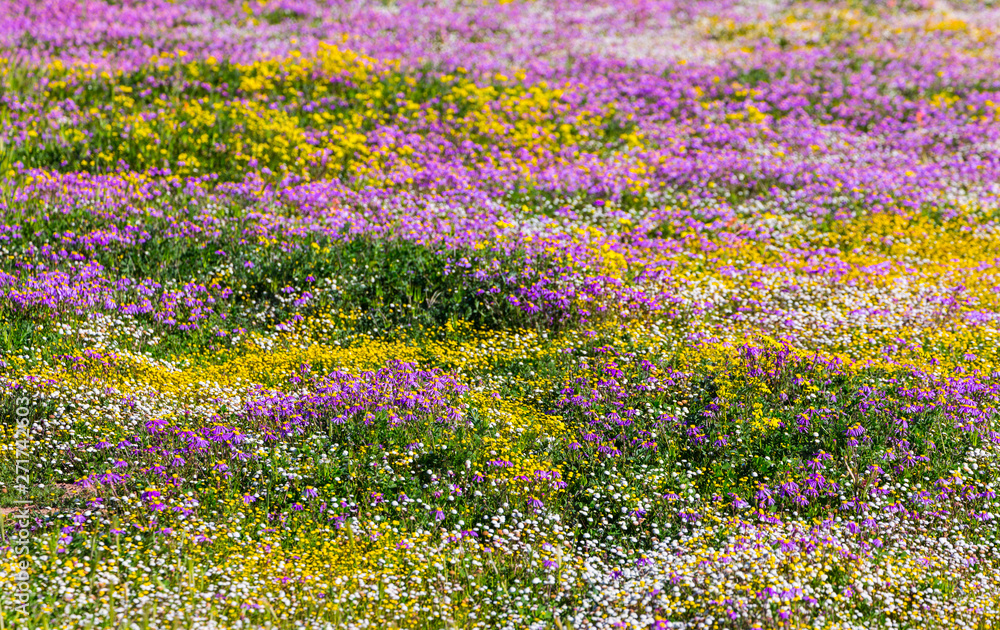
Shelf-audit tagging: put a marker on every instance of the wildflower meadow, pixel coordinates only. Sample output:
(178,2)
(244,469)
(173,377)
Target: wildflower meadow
(472,314)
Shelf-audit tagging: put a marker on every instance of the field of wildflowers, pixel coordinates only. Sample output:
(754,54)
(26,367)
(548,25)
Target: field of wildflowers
(559,314)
